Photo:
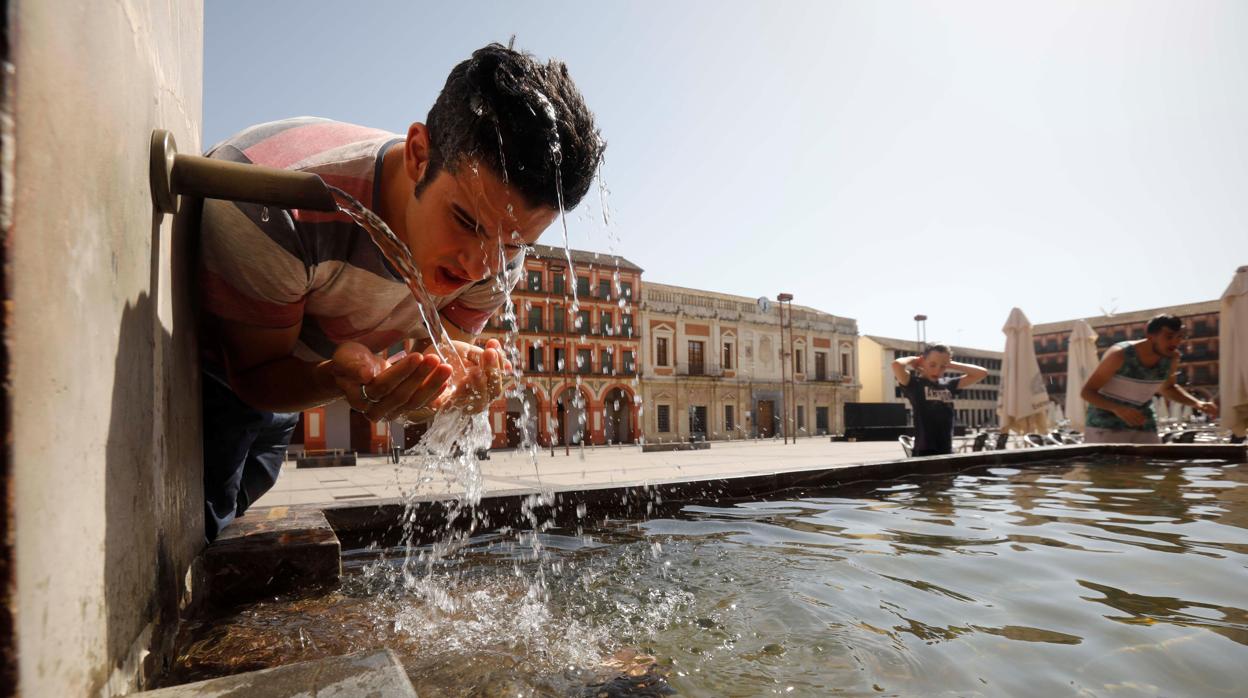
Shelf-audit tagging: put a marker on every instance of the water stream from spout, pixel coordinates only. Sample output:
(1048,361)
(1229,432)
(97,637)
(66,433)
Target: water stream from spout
(451,445)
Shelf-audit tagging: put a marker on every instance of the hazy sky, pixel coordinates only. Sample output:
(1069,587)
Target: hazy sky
(874,159)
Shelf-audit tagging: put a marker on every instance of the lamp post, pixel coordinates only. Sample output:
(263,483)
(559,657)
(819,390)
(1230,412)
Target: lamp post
(920,331)
(785,393)
(555,269)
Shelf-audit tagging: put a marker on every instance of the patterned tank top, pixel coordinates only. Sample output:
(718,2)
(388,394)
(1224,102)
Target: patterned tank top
(1134,385)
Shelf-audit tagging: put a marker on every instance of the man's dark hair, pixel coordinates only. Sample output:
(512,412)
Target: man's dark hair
(1163,321)
(523,119)
(942,348)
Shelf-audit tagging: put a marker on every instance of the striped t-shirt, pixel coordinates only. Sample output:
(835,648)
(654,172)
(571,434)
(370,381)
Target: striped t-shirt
(273,267)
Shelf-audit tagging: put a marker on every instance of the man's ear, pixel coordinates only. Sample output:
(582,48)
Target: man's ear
(416,152)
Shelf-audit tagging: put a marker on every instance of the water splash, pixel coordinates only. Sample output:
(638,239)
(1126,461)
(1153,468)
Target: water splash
(400,257)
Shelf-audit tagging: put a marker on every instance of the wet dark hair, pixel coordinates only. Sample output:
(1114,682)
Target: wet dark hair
(1163,321)
(521,118)
(942,348)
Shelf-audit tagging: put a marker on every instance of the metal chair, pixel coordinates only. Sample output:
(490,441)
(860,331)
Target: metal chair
(1003,441)
(981,440)
(1034,440)
(907,444)
(1185,437)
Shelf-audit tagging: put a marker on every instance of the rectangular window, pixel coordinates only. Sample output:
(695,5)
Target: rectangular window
(730,421)
(801,416)
(663,416)
(845,365)
(660,351)
(697,420)
(630,362)
(582,286)
(535,358)
(559,283)
(799,366)
(821,420)
(584,360)
(626,325)
(535,280)
(821,365)
(535,319)
(697,364)
(626,290)
(604,289)
(726,361)
(582,321)
(606,323)
(605,361)
(559,363)
(557,318)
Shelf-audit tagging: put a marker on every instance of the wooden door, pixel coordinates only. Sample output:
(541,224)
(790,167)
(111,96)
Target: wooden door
(766,422)
(361,433)
(515,435)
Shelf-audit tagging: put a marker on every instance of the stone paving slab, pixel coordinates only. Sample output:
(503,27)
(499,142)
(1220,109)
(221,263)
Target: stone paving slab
(366,674)
(378,479)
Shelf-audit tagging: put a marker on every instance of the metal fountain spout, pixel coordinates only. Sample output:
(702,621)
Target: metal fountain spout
(173,175)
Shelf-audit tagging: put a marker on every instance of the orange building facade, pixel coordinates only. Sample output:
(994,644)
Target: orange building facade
(579,359)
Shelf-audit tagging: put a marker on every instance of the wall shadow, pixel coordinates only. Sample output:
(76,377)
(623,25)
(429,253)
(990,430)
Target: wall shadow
(153,492)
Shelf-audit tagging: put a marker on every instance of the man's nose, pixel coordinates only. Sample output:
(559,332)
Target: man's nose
(482,262)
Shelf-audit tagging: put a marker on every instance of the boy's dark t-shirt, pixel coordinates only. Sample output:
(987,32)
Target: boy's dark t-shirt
(933,412)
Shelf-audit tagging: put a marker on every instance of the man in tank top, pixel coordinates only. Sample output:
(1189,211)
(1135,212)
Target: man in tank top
(297,305)
(930,392)
(1120,391)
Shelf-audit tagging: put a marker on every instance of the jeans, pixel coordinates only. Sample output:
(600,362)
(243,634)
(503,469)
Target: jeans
(243,452)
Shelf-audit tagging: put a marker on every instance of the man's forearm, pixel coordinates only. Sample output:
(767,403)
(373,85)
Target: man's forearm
(1176,393)
(1094,398)
(286,385)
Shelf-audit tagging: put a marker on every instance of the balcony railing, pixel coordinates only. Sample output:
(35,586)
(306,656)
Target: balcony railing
(558,329)
(827,377)
(592,295)
(695,369)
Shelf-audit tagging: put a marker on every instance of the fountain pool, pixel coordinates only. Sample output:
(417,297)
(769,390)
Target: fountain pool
(1093,575)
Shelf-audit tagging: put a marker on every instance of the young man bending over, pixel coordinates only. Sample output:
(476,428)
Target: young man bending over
(922,378)
(1120,391)
(297,304)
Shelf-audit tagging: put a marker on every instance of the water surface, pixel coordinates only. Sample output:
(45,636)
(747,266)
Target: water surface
(1073,578)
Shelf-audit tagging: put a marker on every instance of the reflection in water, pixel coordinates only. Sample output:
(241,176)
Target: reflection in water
(1122,578)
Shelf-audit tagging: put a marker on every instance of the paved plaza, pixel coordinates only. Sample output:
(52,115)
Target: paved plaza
(376,478)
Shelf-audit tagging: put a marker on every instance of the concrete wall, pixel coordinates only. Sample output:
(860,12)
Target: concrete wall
(105,451)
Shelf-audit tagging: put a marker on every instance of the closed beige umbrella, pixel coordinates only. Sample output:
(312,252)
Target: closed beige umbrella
(1024,403)
(1081,361)
(1233,354)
